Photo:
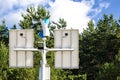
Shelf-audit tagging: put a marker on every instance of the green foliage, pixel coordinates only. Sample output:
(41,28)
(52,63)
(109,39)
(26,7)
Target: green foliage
(3,61)
(76,77)
(20,74)
(14,27)
(98,48)
(3,32)
(99,45)
(32,20)
(61,24)
(110,71)
(7,73)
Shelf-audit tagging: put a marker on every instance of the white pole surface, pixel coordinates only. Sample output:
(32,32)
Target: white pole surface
(43,66)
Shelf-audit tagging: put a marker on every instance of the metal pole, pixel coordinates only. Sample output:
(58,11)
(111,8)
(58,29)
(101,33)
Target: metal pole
(43,64)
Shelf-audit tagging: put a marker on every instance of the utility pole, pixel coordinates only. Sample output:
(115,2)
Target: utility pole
(66,50)
(44,61)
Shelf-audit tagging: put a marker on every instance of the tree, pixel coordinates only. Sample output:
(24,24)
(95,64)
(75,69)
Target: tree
(98,48)
(88,59)
(3,61)
(99,45)
(110,71)
(14,27)
(31,20)
(4,32)
(61,24)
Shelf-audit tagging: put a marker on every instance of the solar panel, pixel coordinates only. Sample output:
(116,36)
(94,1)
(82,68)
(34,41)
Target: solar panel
(21,39)
(67,39)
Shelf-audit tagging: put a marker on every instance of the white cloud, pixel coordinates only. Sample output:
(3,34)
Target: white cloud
(13,18)
(12,15)
(26,3)
(75,13)
(104,5)
(101,6)
(6,5)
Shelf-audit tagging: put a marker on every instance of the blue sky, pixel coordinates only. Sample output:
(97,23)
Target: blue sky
(77,13)
(112,9)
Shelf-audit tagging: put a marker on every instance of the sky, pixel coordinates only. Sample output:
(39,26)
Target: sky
(77,13)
